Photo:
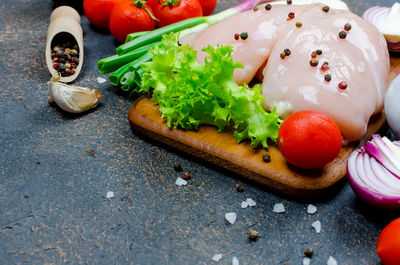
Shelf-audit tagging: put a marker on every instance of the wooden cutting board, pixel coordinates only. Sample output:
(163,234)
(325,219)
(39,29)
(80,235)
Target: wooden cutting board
(223,150)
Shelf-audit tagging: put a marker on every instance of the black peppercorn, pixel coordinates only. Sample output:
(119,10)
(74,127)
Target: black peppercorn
(178,167)
(325,9)
(327,77)
(319,52)
(287,52)
(342,34)
(347,27)
(244,35)
(268,7)
(289,2)
(61,67)
(266,158)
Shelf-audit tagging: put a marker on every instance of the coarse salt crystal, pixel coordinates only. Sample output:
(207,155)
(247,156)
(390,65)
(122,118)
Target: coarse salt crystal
(231,217)
(331,261)
(317,226)
(250,202)
(110,194)
(279,208)
(306,261)
(311,209)
(235,261)
(180,182)
(101,80)
(217,257)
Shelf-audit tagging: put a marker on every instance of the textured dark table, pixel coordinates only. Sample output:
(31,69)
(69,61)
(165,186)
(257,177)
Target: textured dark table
(53,206)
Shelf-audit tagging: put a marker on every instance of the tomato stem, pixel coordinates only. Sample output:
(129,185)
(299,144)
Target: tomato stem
(140,4)
(170,2)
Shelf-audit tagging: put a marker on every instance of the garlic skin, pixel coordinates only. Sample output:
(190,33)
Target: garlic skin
(72,99)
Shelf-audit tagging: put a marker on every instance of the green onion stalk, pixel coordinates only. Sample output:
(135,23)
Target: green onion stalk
(125,64)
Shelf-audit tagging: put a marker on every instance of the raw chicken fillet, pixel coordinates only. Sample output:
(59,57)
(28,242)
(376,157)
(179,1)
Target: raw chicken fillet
(358,61)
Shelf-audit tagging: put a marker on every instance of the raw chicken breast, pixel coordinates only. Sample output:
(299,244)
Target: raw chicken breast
(291,84)
(360,60)
(262,27)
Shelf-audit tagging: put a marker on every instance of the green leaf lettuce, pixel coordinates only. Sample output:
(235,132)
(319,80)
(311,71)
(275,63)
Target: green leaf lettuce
(190,94)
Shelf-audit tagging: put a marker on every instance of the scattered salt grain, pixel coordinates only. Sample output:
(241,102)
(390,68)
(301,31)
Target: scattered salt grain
(231,217)
(235,261)
(110,194)
(248,202)
(251,202)
(311,209)
(306,261)
(317,226)
(279,208)
(217,257)
(331,261)
(180,182)
(101,80)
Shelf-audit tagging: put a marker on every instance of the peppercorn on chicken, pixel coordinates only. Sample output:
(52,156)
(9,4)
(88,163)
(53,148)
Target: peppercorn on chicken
(308,57)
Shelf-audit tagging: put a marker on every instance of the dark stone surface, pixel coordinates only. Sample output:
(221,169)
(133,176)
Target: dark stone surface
(57,168)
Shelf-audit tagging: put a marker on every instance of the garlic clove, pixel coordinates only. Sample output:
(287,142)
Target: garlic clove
(73,99)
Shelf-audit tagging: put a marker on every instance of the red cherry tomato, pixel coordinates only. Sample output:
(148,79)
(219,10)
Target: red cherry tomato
(208,6)
(388,246)
(171,11)
(98,11)
(128,17)
(309,139)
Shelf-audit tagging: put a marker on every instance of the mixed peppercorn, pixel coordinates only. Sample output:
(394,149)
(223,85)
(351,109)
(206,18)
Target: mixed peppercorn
(65,58)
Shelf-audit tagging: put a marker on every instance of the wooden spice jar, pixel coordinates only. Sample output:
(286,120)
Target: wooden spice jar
(64,27)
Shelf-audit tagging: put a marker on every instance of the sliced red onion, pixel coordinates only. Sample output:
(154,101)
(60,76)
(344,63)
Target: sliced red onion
(370,179)
(387,20)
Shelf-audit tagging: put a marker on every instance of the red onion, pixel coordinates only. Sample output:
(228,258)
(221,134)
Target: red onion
(373,172)
(387,20)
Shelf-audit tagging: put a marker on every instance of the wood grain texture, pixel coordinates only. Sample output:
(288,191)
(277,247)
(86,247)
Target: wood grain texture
(222,149)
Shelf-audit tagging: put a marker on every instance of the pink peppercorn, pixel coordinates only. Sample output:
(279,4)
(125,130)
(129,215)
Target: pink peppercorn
(342,85)
(324,67)
(186,175)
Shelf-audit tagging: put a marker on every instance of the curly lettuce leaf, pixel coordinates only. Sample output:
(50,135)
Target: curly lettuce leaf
(190,94)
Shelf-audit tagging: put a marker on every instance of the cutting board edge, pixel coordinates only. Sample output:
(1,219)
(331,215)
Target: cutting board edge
(313,189)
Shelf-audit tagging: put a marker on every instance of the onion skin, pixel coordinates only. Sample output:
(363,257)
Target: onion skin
(378,16)
(365,189)
(372,198)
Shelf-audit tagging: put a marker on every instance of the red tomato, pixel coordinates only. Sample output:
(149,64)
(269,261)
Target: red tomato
(171,11)
(388,246)
(309,139)
(208,6)
(152,3)
(98,11)
(128,17)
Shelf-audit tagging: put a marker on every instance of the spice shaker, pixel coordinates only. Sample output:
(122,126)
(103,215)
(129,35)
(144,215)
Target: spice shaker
(64,29)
